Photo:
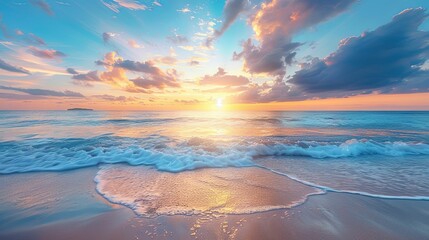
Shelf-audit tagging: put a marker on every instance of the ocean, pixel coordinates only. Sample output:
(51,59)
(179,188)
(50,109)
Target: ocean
(376,154)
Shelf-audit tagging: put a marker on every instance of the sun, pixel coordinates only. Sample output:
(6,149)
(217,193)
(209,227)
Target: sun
(219,103)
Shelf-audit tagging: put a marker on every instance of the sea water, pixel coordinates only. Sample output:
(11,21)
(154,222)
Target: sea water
(377,154)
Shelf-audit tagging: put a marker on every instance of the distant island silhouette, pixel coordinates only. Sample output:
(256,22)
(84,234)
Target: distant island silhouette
(80,109)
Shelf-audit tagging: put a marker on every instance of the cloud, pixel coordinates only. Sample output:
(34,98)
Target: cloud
(187,48)
(33,39)
(193,101)
(227,89)
(194,63)
(389,59)
(42,5)
(151,75)
(157,3)
(107,36)
(167,60)
(112,98)
(85,79)
(45,53)
(178,39)
(159,82)
(11,68)
(136,66)
(111,6)
(129,4)
(222,79)
(14,96)
(387,56)
(184,10)
(44,92)
(262,93)
(132,43)
(72,71)
(231,10)
(274,25)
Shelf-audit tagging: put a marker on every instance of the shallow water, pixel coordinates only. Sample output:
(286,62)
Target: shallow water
(380,154)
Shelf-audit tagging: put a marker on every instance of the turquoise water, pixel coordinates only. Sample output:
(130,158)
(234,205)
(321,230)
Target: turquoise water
(380,154)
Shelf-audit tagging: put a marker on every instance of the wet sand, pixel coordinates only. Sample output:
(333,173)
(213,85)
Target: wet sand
(66,205)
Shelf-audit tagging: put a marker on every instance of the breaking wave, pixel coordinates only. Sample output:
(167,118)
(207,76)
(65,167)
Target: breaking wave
(172,155)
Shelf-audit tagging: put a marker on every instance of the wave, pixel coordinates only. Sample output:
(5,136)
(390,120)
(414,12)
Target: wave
(360,193)
(174,155)
(349,148)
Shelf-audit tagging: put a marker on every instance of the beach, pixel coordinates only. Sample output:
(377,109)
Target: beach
(269,175)
(46,210)
(234,119)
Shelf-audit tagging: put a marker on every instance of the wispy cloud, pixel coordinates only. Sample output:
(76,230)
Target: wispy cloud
(128,4)
(45,53)
(42,5)
(33,39)
(44,92)
(11,68)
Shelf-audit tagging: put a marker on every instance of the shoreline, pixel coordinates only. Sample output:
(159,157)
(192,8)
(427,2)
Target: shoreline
(81,213)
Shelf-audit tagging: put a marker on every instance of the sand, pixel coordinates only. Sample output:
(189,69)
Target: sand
(65,205)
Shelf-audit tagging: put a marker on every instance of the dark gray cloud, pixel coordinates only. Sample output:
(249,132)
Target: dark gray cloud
(45,53)
(275,24)
(8,67)
(389,59)
(44,92)
(220,78)
(231,11)
(386,56)
(42,5)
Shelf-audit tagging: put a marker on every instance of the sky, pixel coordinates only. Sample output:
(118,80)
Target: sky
(213,54)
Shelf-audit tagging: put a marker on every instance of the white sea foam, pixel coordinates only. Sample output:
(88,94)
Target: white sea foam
(174,155)
(223,191)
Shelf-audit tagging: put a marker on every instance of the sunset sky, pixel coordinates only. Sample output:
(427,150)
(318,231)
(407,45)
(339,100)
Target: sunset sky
(204,55)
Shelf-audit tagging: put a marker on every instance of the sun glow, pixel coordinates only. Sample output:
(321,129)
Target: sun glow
(219,103)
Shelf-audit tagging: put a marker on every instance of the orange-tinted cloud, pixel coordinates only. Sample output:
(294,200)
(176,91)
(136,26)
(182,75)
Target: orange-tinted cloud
(221,78)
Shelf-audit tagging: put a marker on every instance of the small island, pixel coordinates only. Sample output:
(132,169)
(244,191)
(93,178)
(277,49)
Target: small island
(80,109)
